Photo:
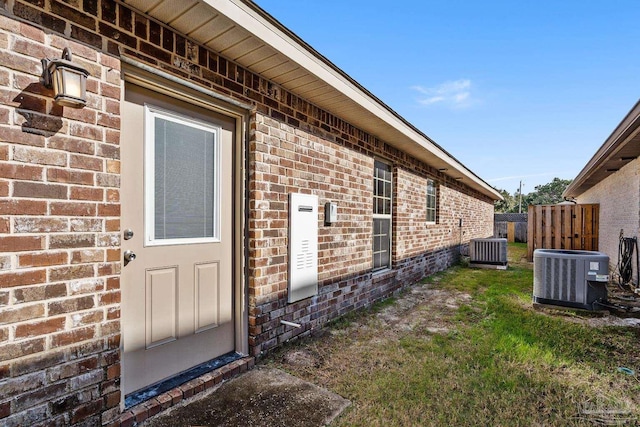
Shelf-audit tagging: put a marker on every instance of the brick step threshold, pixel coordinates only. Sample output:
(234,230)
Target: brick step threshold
(153,406)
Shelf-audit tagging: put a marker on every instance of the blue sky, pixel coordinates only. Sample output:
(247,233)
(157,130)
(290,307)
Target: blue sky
(515,90)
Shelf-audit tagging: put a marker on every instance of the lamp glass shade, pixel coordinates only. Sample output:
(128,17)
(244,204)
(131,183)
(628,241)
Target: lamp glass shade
(69,84)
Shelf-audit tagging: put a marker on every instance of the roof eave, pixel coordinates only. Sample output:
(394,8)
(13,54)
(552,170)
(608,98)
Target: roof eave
(628,129)
(262,25)
(280,56)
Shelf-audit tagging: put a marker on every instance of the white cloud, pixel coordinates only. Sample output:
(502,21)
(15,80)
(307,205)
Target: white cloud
(455,94)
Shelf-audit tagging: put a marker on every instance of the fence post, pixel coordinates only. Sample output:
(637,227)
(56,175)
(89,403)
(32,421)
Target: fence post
(511,232)
(566,232)
(578,227)
(531,235)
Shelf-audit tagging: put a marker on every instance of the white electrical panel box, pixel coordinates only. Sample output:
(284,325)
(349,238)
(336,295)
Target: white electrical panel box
(303,246)
(330,213)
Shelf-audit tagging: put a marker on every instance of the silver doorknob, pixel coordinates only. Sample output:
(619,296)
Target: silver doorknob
(129,256)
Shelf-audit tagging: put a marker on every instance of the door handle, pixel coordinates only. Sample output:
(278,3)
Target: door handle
(129,256)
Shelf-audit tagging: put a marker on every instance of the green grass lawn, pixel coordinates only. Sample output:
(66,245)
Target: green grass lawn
(473,352)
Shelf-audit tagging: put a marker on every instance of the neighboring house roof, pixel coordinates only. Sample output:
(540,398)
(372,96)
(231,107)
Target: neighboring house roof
(511,217)
(622,147)
(243,32)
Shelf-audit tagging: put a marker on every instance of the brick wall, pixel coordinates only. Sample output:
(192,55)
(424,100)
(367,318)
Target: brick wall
(619,199)
(59,240)
(413,235)
(422,248)
(59,206)
(284,159)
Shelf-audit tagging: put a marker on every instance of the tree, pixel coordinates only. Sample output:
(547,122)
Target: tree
(545,194)
(506,205)
(548,194)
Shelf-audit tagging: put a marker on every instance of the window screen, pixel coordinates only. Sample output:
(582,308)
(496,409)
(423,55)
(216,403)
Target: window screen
(381,243)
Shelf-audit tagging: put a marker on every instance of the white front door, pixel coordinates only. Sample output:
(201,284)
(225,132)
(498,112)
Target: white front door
(177,222)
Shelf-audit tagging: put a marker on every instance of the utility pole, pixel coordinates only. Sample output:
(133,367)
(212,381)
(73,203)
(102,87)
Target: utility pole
(520,203)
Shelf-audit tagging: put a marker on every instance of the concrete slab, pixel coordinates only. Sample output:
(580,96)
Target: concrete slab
(260,397)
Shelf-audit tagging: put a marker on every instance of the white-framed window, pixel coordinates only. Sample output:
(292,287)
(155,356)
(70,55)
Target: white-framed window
(382,202)
(431,201)
(182,179)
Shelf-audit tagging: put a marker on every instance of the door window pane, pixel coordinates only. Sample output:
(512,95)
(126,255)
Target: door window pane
(183,169)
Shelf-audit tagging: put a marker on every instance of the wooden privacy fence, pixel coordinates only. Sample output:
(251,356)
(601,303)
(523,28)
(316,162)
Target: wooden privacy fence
(563,227)
(512,226)
(512,231)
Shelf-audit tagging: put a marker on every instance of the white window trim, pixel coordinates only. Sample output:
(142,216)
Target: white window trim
(150,113)
(377,270)
(435,209)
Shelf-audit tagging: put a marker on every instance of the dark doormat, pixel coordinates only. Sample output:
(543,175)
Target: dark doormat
(260,397)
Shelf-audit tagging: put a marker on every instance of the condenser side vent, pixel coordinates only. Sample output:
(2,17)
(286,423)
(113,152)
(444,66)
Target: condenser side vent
(490,252)
(561,278)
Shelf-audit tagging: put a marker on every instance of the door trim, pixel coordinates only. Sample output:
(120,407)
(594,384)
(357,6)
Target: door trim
(136,69)
(157,81)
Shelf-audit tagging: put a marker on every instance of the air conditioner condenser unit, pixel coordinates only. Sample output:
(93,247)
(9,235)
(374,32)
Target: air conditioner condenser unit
(488,253)
(570,278)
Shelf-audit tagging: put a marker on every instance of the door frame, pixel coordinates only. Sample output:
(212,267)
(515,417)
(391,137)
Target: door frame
(163,83)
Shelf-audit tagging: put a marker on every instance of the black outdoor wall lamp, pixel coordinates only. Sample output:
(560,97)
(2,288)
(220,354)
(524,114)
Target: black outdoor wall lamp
(68,80)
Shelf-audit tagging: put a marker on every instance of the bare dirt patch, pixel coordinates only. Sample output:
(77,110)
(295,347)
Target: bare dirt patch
(593,319)
(263,397)
(423,308)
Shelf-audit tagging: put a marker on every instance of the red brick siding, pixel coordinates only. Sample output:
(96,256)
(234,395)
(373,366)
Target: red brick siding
(411,233)
(290,160)
(58,340)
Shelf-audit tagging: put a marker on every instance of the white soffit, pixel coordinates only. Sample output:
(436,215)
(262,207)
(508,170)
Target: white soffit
(244,33)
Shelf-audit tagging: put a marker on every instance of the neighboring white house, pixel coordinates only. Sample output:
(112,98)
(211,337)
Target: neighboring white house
(612,179)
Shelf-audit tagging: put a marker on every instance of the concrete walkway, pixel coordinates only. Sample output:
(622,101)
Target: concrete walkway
(261,397)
